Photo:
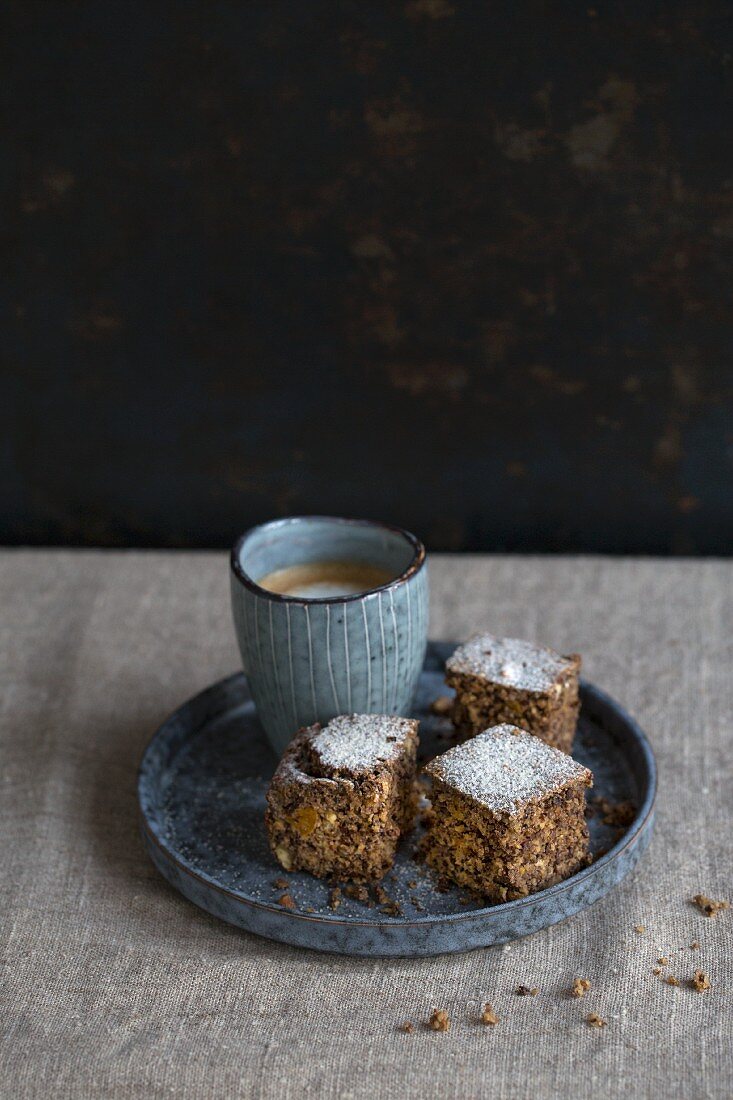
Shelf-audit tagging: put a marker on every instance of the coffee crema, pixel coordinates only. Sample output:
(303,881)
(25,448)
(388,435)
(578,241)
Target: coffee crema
(319,579)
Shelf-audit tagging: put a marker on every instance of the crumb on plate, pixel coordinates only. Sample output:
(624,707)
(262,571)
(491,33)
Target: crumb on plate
(442,706)
(334,898)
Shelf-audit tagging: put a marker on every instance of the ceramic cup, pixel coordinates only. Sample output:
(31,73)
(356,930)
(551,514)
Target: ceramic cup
(309,659)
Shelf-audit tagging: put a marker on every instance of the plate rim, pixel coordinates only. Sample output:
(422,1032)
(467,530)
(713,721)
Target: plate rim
(637,828)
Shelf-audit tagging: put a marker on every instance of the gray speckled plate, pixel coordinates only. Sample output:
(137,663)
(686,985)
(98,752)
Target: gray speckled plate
(202,786)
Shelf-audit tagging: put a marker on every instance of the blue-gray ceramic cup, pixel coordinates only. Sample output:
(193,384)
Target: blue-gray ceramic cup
(308,660)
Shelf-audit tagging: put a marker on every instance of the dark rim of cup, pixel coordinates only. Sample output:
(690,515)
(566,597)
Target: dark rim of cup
(418,559)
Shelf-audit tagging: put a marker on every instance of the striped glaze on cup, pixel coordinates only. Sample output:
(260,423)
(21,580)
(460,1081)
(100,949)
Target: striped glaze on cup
(308,660)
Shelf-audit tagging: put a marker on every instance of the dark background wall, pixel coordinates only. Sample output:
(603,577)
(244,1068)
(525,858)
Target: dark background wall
(462,266)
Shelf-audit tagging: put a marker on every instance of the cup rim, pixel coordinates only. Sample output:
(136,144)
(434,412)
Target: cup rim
(415,565)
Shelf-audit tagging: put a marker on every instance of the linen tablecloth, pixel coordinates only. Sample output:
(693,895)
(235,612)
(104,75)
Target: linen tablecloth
(114,985)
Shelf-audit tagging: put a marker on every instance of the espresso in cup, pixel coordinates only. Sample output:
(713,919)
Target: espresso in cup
(331,618)
(321,579)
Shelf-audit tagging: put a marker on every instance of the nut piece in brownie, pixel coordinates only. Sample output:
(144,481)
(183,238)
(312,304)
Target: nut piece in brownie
(342,795)
(508,814)
(509,680)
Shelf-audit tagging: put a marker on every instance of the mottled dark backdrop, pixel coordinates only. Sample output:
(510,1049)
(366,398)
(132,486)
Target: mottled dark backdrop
(462,266)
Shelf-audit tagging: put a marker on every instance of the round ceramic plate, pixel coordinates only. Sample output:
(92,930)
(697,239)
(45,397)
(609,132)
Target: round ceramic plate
(202,787)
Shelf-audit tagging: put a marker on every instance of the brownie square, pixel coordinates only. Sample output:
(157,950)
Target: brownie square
(342,795)
(508,814)
(509,680)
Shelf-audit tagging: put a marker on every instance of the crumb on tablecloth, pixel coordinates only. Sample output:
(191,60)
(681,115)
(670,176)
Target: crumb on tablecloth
(640,928)
(525,991)
(700,981)
(439,1021)
(671,980)
(579,987)
(488,1016)
(708,906)
(594,1020)
(407,1027)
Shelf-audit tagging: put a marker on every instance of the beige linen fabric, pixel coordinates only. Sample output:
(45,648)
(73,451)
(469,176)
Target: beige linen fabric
(113,985)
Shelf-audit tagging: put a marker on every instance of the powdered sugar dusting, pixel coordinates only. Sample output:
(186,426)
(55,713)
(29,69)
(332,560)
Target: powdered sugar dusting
(356,742)
(511,662)
(504,766)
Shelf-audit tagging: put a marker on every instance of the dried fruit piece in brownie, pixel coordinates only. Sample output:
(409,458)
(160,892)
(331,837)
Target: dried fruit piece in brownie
(508,814)
(500,680)
(342,795)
